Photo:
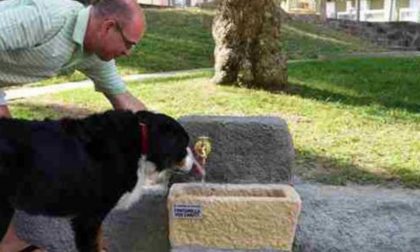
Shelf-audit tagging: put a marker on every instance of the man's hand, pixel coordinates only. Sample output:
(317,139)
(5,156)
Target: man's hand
(125,101)
(4,111)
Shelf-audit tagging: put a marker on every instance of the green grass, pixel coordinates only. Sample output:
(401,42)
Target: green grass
(355,120)
(174,40)
(367,122)
(311,41)
(179,39)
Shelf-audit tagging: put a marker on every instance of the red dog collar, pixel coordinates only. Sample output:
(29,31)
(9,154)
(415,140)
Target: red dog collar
(144,140)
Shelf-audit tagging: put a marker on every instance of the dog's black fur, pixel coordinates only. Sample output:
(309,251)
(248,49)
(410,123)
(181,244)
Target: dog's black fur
(80,167)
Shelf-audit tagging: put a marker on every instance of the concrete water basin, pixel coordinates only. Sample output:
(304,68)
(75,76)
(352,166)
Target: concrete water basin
(232,217)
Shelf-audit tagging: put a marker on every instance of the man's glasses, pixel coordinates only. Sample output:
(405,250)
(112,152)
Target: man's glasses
(128,44)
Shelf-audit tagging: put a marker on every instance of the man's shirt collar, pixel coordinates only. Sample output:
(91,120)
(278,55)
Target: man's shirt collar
(81,26)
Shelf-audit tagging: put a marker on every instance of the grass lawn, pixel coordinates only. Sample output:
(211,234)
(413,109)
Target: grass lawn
(354,120)
(179,39)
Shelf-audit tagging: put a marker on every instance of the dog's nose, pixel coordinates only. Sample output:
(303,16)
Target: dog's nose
(191,165)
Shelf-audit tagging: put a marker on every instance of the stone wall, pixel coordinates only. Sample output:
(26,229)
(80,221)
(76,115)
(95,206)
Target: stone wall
(393,35)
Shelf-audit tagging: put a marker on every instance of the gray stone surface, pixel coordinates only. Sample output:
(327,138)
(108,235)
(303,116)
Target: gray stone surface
(368,219)
(51,234)
(244,149)
(142,228)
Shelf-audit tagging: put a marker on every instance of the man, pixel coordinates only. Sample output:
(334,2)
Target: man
(41,38)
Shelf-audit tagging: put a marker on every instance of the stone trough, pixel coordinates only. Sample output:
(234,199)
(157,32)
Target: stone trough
(220,217)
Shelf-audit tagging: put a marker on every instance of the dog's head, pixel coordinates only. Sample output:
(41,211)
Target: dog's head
(164,150)
(165,144)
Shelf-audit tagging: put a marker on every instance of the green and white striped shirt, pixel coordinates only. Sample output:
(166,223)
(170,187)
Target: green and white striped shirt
(42,38)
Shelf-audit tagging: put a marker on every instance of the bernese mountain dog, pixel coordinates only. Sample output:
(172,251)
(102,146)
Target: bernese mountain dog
(83,168)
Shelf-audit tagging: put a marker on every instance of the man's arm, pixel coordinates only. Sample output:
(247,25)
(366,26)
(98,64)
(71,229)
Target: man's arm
(125,101)
(4,109)
(109,82)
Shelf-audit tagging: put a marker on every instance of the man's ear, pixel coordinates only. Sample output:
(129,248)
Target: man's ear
(108,24)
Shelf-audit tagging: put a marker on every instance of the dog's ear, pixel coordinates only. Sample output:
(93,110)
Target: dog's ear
(157,121)
(169,139)
(144,116)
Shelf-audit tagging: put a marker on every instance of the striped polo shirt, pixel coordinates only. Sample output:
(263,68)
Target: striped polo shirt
(43,38)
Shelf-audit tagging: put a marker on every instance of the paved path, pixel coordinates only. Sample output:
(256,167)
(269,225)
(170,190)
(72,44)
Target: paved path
(25,92)
(358,218)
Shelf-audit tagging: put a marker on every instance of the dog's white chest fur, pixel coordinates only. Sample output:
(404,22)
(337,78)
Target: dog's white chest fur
(129,198)
(147,175)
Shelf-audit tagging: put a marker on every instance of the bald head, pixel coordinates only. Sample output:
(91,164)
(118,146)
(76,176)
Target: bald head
(114,28)
(124,11)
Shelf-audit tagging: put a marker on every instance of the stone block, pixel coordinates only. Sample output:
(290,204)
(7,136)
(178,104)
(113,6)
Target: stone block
(244,149)
(229,217)
(358,218)
(141,228)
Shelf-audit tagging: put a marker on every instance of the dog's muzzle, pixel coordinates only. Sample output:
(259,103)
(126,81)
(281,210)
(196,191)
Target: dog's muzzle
(191,165)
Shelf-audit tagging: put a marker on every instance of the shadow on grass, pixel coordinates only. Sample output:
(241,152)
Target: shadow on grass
(328,96)
(388,82)
(310,166)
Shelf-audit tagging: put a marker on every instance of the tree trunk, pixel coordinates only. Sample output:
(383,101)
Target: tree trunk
(248,50)
(323,10)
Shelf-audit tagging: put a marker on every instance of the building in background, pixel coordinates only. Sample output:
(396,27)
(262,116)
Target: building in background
(173,3)
(370,10)
(300,6)
(375,10)
(162,3)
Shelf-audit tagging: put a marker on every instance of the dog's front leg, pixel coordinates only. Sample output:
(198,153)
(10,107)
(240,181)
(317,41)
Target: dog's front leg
(86,229)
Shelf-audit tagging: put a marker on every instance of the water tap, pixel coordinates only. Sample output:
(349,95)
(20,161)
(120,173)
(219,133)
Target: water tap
(202,149)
